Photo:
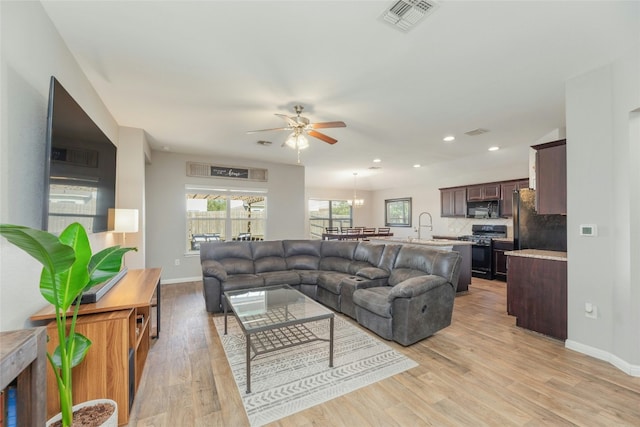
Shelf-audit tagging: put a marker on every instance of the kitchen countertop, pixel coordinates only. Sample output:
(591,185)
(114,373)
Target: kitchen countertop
(430,242)
(537,253)
(499,239)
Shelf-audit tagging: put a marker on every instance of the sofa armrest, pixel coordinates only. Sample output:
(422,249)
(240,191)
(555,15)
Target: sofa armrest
(372,273)
(212,268)
(415,286)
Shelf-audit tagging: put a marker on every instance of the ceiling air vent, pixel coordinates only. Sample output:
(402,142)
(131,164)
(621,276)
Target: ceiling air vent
(478,131)
(404,14)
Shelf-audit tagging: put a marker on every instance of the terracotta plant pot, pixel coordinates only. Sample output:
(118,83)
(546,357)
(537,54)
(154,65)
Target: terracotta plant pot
(112,421)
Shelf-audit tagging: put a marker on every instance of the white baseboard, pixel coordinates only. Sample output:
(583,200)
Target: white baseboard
(624,366)
(181,280)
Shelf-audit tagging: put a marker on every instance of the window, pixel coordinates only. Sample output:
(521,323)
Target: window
(328,213)
(224,215)
(397,212)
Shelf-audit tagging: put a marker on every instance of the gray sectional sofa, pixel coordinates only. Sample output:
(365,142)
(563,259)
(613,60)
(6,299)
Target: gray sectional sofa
(401,292)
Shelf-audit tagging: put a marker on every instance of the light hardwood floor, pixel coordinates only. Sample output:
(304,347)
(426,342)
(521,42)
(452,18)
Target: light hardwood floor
(482,370)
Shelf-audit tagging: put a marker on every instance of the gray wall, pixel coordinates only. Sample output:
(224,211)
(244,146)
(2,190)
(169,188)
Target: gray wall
(165,206)
(603,160)
(31,52)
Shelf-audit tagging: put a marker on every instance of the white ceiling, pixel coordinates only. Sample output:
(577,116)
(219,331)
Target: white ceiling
(197,75)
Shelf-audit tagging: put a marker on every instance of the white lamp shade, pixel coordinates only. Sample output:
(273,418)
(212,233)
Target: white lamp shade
(123,220)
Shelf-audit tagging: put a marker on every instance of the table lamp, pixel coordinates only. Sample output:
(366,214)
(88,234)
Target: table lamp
(123,221)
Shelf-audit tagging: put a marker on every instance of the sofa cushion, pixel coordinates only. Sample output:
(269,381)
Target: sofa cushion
(272,248)
(213,268)
(242,281)
(370,253)
(285,277)
(235,257)
(388,258)
(332,281)
(375,300)
(338,248)
(237,266)
(399,275)
(417,258)
(416,286)
(372,273)
(302,254)
(308,277)
(337,264)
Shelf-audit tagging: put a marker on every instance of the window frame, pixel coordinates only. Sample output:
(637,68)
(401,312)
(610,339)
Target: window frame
(405,203)
(228,220)
(330,218)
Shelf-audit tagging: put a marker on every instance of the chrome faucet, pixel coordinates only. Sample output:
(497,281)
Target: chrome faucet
(430,225)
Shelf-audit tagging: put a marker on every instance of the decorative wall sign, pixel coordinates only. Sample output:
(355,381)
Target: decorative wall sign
(227,172)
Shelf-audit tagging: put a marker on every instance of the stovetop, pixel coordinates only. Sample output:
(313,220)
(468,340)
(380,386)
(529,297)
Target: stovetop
(482,234)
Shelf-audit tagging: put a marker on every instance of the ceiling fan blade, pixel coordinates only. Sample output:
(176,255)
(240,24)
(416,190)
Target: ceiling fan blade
(289,120)
(267,130)
(325,125)
(322,136)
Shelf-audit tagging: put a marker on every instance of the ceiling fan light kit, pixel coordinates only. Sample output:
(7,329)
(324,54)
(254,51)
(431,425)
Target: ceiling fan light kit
(297,141)
(302,126)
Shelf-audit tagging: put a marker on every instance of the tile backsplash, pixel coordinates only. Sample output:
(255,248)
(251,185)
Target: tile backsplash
(462,226)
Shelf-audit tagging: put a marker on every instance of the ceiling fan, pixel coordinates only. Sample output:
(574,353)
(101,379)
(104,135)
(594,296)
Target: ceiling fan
(300,126)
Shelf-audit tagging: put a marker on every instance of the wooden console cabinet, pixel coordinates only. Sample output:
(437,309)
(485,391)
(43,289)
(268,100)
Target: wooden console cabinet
(120,326)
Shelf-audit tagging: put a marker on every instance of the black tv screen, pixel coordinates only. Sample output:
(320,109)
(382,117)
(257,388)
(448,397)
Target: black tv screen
(80,171)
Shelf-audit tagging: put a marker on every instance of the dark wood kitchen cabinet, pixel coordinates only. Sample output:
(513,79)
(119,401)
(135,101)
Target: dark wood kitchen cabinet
(500,259)
(479,193)
(537,294)
(508,188)
(453,202)
(551,177)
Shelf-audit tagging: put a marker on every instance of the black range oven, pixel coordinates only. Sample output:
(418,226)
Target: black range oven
(482,248)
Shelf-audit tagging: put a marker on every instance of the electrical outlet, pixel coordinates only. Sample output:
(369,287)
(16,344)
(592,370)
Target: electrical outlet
(177,261)
(590,310)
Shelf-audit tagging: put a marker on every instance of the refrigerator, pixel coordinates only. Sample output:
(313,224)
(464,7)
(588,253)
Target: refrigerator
(533,231)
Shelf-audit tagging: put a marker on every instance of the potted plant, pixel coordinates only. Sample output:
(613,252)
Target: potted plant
(69,269)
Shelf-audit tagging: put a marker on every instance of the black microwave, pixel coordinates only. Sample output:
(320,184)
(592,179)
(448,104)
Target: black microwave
(483,210)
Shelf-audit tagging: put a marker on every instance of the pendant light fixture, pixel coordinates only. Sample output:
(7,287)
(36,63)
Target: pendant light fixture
(355,202)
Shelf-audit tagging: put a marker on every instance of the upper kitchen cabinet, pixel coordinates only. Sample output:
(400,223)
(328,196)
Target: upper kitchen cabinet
(507,195)
(551,177)
(453,202)
(479,193)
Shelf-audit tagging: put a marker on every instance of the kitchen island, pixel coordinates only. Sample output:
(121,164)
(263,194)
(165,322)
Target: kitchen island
(462,247)
(537,290)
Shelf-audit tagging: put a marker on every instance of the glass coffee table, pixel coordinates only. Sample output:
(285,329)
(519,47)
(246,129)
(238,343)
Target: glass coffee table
(273,318)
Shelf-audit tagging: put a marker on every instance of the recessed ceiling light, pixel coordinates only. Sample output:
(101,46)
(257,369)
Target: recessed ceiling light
(448,138)
(417,165)
(377,160)
(494,148)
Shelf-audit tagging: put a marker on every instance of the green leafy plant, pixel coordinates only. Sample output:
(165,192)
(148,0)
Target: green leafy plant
(69,269)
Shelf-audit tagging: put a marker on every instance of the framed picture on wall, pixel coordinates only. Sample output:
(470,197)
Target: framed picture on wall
(397,212)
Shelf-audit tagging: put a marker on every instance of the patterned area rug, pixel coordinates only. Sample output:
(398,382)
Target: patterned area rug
(291,380)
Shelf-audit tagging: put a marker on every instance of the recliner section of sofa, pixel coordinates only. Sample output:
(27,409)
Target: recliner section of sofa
(360,279)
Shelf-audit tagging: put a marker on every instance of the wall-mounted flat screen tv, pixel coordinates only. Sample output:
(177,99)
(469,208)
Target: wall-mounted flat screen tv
(80,171)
